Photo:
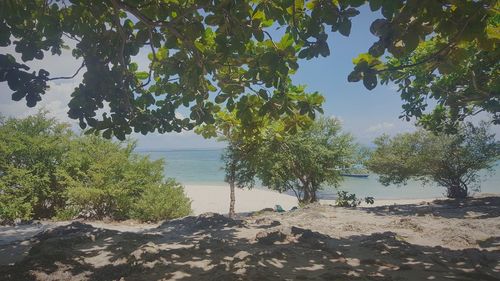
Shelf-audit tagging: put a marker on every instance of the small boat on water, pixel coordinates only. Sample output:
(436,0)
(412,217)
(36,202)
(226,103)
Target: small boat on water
(355,175)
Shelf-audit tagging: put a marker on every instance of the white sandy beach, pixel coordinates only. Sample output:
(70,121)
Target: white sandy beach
(215,198)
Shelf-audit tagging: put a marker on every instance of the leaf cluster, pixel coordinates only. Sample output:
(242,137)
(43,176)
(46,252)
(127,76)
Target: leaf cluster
(208,54)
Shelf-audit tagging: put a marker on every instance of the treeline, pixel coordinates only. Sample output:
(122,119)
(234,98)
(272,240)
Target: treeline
(48,171)
(302,155)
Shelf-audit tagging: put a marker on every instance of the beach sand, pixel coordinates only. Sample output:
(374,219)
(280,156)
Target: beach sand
(212,198)
(215,198)
(397,240)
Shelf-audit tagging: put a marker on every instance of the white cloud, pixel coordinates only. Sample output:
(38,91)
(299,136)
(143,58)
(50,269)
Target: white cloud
(55,101)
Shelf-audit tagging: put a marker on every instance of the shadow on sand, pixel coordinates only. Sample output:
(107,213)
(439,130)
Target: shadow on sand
(478,208)
(211,247)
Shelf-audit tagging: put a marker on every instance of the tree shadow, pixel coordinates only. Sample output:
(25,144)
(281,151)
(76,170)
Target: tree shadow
(213,247)
(478,208)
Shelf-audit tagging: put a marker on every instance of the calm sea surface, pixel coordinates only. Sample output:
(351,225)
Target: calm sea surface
(204,167)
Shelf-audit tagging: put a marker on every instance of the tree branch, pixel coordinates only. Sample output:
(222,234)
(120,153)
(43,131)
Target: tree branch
(450,45)
(152,62)
(68,77)
(120,31)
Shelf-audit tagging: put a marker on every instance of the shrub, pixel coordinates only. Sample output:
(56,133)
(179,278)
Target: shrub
(345,199)
(105,178)
(31,151)
(161,202)
(48,171)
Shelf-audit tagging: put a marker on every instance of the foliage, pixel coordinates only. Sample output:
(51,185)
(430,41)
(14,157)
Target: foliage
(465,84)
(31,151)
(239,165)
(446,51)
(163,201)
(452,161)
(244,138)
(216,48)
(46,171)
(239,155)
(103,179)
(303,161)
(345,199)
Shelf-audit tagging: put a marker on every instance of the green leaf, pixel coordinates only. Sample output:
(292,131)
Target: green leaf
(133,67)
(142,75)
(220,98)
(375,4)
(370,81)
(345,27)
(354,76)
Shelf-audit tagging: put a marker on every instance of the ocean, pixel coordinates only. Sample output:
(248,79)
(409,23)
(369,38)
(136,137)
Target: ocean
(204,167)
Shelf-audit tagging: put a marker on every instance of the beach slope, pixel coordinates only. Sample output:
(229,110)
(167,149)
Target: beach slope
(439,240)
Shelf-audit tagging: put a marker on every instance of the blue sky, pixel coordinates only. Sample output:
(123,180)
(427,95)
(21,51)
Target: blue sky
(365,114)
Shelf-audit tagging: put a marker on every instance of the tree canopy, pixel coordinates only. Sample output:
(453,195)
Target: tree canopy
(206,54)
(304,161)
(451,161)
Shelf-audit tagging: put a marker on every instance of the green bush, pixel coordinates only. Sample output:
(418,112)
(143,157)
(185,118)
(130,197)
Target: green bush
(345,199)
(48,171)
(105,178)
(31,151)
(164,201)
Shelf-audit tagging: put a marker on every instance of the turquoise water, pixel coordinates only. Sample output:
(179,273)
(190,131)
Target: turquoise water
(204,167)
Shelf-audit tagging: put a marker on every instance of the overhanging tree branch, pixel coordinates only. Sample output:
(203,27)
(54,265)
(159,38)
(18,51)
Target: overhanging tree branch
(68,77)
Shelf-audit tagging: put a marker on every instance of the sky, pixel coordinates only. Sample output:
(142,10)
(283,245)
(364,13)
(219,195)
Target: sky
(365,114)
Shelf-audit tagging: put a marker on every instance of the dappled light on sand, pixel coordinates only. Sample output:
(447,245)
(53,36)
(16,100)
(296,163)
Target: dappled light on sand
(314,243)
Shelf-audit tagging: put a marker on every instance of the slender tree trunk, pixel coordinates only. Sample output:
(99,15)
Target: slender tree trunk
(232,199)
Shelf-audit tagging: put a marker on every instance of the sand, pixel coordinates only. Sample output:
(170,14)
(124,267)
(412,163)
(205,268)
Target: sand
(211,198)
(404,240)
(215,198)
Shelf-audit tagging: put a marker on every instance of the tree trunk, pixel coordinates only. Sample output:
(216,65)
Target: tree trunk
(232,199)
(309,195)
(457,191)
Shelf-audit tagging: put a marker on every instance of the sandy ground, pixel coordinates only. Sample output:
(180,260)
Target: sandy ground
(439,240)
(211,198)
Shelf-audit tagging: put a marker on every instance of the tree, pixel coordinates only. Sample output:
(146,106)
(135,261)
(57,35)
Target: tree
(214,48)
(305,160)
(240,154)
(239,168)
(452,161)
